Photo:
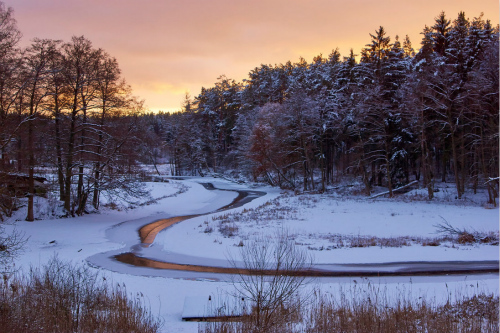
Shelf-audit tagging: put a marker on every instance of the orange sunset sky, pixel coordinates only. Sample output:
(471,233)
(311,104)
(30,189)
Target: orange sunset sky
(166,48)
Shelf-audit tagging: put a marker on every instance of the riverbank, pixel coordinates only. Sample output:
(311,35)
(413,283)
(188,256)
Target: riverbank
(77,239)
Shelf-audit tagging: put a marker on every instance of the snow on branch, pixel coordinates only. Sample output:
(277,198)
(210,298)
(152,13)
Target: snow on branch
(394,190)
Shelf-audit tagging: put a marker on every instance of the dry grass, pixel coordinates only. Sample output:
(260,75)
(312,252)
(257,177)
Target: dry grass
(228,229)
(272,210)
(373,313)
(65,298)
(339,241)
(284,320)
(478,313)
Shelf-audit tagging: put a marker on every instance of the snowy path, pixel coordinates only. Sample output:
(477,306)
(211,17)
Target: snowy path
(144,259)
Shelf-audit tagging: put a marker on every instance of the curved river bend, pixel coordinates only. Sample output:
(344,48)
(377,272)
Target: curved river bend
(137,261)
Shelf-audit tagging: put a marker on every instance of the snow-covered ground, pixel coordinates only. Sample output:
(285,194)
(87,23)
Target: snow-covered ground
(315,220)
(312,220)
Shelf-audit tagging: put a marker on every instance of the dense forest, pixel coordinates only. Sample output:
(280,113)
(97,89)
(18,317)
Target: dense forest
(394,117)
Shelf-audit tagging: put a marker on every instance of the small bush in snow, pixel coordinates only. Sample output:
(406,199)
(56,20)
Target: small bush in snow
(228,229)
(466,238)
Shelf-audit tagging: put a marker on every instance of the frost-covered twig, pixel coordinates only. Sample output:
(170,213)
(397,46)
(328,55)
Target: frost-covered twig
(492,180)
(466,236)
(447,228)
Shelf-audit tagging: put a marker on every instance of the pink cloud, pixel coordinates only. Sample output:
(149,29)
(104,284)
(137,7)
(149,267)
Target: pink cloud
(189,43)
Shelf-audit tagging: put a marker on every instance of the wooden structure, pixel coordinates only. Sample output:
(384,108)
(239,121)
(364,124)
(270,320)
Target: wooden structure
(18,185)
(198,308)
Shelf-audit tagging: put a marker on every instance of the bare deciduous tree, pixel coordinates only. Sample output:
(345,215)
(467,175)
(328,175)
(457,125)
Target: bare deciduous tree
(270,278)
(9,86)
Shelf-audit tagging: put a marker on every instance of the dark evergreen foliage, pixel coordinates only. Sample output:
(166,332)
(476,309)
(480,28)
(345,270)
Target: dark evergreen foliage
(394,117)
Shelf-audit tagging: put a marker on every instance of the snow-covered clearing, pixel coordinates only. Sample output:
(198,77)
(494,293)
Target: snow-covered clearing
(313,220)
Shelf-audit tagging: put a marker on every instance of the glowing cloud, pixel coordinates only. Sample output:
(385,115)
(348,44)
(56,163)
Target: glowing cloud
(168,47)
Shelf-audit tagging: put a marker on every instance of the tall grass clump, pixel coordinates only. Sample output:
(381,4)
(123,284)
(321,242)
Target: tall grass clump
(375,311)
(475,314)
(62,297)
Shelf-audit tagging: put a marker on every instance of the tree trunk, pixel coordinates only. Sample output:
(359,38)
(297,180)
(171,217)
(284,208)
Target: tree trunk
(323,166)
(81,189)
(96,192)
(20,163)
(31,181)
(57,124)
(31,160)
(463,163)
(491,194)
(388,170)
(69,160)
(82,203)
(455,166)
(428,181)
(366,180)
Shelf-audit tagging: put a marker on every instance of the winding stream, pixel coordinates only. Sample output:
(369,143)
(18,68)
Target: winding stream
(149,231)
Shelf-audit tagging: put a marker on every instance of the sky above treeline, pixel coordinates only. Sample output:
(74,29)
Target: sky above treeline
(167,48)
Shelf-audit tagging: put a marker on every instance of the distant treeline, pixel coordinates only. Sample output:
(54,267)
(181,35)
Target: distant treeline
(393,117)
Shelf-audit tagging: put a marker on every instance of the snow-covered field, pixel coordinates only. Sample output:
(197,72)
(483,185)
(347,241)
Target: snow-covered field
(313,221)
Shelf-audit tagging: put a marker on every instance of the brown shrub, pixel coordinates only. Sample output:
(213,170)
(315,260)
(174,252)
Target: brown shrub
(466,238)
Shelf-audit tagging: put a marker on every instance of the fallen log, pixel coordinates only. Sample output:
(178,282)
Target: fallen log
(395,190)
